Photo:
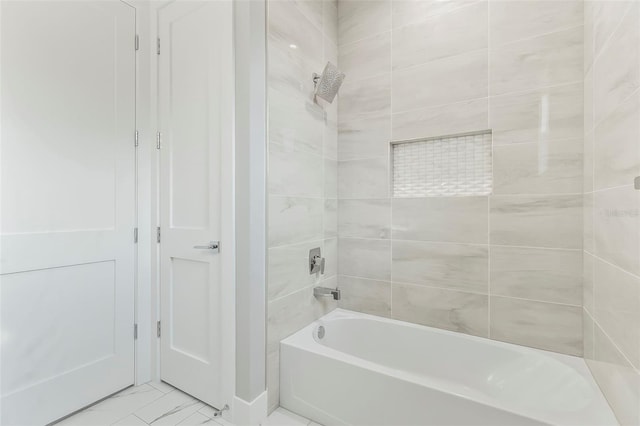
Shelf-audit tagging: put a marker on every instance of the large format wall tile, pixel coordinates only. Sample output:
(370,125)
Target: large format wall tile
(616,148)
(540,274)
(365,218)
(294,173)
(365,138)
(360,19)
(616,72)
(606,18)
(547,60)
(367,178)
(294,121)
(588,261)
(537,220)
(359,257)
(293,219)
(515,20)
(443,219)
(288,269)
(540,325)
(411,11)
(367,57)
(365,98)
(460,31)
(439,82)
(543,167)
(364,295)
(436,307)
(539,115)
(617,308)
(453,266)
(460,117)
(617,227)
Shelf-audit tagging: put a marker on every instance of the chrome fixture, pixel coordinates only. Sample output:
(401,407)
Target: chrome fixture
(326,292)
(213,245)
(316,261)
(327,84)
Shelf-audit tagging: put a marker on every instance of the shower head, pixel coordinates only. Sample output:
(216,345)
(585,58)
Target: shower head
(328,83)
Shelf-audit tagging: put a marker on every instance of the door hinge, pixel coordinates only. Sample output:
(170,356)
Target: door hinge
(135,331)
(135,235)
(136,138)
(158,234)
(158,45)
(158,329)
(137,42)
(158,136)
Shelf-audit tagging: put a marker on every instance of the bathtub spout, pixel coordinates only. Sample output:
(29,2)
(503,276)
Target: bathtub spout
(325,291)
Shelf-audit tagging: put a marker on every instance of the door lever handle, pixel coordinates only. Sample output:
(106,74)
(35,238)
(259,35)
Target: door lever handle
(213,245)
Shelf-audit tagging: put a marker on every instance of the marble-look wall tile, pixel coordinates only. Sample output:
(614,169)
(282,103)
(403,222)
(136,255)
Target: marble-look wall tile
(553,221)
(540,325)
(288,269)
(365,218)
(588,239)
(547,60)
(330,19)
(443,81)
(546,275)
(588,262)
(330,178)
(411,11)
(617,227)
(368,57)
(312,9)
(360,19)
(294,173)
(543,167)
(450,219)
(588,36)
(616,71)
(330,217)
(606,18)
(540,115)
(367,178)
(330,253)
(461,117)
(288,25)
(617,379)
(515,20)
(588,106)
(366,138)
(588,347)
(452,266)
(616,148)
(364,295)
(273,379)
(617,308)
(365,98)
(447,309)
(366,258)
(295,121)
(294,219)
(587,162)
(459,31)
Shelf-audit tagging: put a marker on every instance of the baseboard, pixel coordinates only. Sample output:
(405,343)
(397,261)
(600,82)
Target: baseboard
(251,413)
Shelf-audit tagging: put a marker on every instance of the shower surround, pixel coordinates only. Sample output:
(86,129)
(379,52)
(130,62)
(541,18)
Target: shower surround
(506,266)
(302,212)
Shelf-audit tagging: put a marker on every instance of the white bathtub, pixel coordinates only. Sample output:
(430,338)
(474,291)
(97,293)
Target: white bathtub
(368,370)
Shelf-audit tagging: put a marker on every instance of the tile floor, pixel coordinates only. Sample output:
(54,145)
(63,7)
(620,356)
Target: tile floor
(159,404)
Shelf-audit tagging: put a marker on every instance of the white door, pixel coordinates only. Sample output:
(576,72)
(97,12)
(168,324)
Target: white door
(196,124)
(67,206)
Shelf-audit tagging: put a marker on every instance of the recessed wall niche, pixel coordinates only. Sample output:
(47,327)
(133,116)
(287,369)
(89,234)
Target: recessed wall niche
(443,166)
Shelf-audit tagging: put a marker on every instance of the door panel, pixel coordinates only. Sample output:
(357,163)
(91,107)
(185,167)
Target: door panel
(67,206)
(196,107)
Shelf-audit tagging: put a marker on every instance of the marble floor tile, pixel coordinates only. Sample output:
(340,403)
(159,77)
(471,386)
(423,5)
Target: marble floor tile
(282,417)
(131,420)
(170,409)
